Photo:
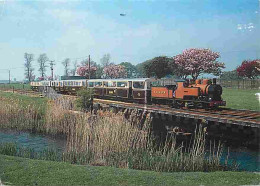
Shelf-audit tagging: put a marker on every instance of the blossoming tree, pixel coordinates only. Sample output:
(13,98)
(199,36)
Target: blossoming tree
(249,69)
(84,71)
(49,78)
(114,71)
(41,78)
(195,61)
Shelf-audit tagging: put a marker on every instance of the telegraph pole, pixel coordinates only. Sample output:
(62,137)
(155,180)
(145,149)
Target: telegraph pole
(51,65)
(88,66)
(9,76)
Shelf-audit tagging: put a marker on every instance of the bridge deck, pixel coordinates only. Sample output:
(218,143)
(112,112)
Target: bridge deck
(228,116)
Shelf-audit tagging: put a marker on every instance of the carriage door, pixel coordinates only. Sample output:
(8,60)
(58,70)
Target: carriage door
(130,93)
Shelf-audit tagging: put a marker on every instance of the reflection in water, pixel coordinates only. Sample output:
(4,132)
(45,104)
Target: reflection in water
(247,159)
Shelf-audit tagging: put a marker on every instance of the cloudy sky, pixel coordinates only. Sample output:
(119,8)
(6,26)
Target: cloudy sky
(75,29)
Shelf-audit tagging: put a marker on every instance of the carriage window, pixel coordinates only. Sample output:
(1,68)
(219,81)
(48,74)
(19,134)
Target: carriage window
(60,83)
(98,84)
(83,83)
(111,84)
(90,84)
(138,84)
(121,84)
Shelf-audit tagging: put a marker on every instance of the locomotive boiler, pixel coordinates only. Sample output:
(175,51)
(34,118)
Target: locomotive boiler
(198,94)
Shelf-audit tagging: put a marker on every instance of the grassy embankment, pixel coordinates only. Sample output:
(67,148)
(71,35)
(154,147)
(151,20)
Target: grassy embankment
(15,86)
(22,171)
(241,99)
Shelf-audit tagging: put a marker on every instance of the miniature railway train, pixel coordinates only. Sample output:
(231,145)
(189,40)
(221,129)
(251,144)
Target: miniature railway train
(198,94)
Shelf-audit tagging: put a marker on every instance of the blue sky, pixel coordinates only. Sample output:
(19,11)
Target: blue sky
(76,29)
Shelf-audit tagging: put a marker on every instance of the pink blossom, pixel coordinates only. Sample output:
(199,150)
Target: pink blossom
(114,71)
(84,70)
(196,61)
(49,77)
(40,78)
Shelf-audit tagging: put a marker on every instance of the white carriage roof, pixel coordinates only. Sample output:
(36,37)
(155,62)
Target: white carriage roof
(75,80)
(94,80)
(123,79)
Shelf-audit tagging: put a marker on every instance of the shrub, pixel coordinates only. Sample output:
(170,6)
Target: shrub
(85,100)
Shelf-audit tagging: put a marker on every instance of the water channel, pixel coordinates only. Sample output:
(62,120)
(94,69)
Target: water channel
(248,159)
(38,142)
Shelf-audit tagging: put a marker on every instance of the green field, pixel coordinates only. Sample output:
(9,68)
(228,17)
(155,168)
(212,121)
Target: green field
(16,86)
(24,99)
(241,99)
(22,171)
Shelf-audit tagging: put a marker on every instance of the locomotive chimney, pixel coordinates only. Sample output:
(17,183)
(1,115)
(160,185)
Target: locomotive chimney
(214,81)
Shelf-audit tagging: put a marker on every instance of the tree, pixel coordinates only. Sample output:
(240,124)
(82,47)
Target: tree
(105,60)
(130,69)
(42,59)
(95,73)
(28,66)
(160,66)
(157,67)
(84,71)
(74,70)
(140,70)
(249,69)
(195,61)
(66,64)
(49,78)
(85,99)
(114,71)
(41,78)
(99,71)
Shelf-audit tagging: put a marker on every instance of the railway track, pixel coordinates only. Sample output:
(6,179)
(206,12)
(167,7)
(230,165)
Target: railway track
(224,115)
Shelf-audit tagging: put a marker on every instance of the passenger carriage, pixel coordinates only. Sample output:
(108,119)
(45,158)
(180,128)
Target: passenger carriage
(137,90)
(35,85)
(72,86)
(56,85)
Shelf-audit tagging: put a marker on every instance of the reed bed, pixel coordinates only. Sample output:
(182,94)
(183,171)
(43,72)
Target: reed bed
(110,139)
(14,114)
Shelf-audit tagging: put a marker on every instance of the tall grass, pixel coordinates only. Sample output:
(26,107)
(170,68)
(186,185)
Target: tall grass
(15,114)
(12,149)
(110,139)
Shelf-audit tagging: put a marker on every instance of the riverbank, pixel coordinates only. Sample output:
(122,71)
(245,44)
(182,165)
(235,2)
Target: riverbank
(23,171)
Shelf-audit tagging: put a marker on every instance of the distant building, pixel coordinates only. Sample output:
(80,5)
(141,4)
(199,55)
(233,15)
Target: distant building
(72,77)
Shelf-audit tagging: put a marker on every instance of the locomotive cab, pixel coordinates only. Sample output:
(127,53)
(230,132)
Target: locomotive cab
(199,93)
